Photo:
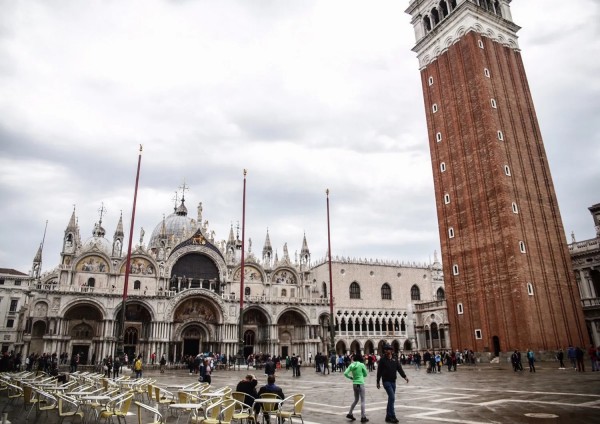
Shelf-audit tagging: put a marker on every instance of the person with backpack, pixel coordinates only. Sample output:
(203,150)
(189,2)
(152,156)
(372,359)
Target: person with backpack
(137,367)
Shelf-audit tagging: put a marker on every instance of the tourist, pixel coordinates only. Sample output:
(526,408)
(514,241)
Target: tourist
(531,360)
(138,367)
(270,387)
(357,373)
(515,360)
(248,387)
(579,357)
(386,372)
(560,355)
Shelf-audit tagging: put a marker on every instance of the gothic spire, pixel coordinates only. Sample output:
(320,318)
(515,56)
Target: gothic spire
(119,231)
(118,238)
(72,226)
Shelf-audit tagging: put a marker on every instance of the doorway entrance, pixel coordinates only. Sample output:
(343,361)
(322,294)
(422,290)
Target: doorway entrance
(191,347)
(83,351)
(496,341)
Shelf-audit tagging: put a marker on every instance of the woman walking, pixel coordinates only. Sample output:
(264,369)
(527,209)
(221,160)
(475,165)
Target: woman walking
(357,373)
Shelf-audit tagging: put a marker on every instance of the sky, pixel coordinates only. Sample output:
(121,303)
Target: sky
(306,95)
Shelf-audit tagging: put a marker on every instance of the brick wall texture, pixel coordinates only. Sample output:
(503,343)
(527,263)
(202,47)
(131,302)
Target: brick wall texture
(493,273)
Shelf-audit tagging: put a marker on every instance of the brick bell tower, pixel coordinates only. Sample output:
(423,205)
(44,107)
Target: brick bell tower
(508,275)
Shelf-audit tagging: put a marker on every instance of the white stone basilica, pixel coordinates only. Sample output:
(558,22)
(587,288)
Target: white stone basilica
(183,298)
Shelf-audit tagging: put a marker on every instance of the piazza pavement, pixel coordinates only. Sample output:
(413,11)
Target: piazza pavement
(486,393)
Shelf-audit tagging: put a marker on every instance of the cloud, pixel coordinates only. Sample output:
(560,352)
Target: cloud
(306,95)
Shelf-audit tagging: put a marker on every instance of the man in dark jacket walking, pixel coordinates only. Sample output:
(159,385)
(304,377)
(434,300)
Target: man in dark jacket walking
(386,372)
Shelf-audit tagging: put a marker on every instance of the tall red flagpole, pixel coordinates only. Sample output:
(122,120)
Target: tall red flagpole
(121,341)
(241,325)
(331,319)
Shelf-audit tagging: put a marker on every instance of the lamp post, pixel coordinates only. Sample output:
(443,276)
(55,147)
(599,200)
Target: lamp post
(331,317)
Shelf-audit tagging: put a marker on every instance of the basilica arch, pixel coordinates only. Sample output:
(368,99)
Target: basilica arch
(196,325)
(83,323)
(256,330)
(292,331)
(137,328)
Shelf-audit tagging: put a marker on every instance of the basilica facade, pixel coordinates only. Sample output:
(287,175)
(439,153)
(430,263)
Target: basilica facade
(183,298)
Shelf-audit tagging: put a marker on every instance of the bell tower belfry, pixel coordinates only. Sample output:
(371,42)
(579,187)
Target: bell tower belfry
(508,275)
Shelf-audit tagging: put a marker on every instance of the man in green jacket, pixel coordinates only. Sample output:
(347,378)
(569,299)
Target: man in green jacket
(357,373)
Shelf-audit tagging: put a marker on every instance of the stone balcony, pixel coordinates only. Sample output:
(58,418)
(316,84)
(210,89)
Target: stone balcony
(430,306)
(592,303)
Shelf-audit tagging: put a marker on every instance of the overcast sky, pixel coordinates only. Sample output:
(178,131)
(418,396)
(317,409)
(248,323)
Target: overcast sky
(306,95)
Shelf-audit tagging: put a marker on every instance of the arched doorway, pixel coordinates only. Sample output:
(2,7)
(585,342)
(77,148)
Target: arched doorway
(340,348)
(355,347)
(249,341)
(84,324)
(285,343)
(195,320)
(136,330)
(194,339)
(256,323)
(369,348)
(496,342)
(294,324)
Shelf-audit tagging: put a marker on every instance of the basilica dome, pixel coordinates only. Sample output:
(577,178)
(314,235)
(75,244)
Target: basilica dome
(173,229)
(97,241)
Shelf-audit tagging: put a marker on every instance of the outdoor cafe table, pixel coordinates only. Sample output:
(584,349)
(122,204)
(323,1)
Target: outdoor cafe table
(78,394)
(90,398)
(193,407)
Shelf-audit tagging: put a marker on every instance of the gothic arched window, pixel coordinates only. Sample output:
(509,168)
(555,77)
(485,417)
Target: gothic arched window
(131,336)
(386,292)
(427,23)
(441,294)
(354,290)
(415,293)
(137,285)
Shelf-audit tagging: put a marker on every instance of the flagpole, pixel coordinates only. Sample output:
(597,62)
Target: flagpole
(241,324)
(331,317)
(121,340)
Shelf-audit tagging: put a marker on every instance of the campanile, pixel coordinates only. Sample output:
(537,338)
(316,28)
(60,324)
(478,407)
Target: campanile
(507,269)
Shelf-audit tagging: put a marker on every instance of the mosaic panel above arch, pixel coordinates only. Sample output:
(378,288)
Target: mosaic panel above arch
(92,264)
(139,266)
(197,308)
(251,275)
(284,276)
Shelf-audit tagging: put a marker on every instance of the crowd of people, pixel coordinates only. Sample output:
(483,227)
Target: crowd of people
(204,363)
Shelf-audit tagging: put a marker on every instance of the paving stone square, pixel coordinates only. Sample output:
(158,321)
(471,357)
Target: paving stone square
(486,393)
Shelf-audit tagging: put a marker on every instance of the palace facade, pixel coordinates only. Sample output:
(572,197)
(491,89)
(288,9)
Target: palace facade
(183,297)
